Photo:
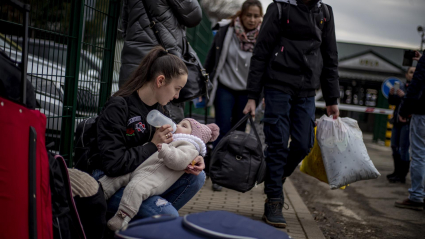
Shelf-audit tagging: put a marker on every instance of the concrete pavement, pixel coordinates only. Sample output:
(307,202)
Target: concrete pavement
(301,223)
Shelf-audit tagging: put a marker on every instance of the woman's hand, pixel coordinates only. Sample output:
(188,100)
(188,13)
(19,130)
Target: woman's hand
(197,168)
(163,135)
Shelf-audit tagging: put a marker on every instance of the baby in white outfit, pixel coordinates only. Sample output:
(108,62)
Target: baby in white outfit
(160,171)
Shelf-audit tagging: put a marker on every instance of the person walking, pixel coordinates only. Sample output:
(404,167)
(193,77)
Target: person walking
(412,104)
(228,63)
(295,53)
(171,20)
(400,141)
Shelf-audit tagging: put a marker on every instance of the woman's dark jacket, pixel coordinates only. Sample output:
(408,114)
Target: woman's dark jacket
(123,135)
(215,51)
(171,19)
(297,53)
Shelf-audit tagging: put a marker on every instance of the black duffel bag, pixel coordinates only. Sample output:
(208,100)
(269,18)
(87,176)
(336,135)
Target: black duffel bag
(198,82)
(237,162)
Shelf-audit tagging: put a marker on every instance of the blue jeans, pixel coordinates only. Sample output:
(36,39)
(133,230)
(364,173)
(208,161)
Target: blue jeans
(229,105)
(286,116)
(167,203)
(417,166)
(400,141)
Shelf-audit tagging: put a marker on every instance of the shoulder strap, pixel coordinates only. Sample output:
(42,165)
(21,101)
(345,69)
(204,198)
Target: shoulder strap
(326,12)
(152,23)
(323,5)
(279,9)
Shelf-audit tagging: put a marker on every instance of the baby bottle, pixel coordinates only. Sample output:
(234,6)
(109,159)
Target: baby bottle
(157,119)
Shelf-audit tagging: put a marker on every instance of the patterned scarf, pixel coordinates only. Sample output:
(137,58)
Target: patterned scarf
(246,39)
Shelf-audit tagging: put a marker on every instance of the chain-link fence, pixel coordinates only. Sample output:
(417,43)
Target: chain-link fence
(71,47)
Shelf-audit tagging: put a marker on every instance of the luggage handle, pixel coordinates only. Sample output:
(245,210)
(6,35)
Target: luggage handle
(260,176)
(245,118)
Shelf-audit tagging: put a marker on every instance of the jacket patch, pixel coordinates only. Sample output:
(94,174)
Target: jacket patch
(140,127)
(134,119)
(129,132)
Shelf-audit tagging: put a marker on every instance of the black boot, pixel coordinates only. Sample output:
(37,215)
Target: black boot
(401,172)
(273,212)
(396,159)
(397,179)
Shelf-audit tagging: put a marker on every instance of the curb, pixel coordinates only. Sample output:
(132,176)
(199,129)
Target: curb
(309,225)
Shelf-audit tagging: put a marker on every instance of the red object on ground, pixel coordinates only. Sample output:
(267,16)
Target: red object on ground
(15,122)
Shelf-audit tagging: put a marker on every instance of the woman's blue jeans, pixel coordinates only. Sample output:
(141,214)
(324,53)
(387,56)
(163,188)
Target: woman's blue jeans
(229,105)
(167,203)
(400,141)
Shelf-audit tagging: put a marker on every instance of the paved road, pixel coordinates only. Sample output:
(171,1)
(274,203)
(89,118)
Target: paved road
(366,208)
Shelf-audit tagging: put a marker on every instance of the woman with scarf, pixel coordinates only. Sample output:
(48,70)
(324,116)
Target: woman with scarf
(228,64)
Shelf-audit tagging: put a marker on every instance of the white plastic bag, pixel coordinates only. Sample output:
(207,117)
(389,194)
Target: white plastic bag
(344,153)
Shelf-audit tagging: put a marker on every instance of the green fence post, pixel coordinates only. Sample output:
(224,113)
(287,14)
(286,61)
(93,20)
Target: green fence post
(380,125)
(71,82)
(109,52)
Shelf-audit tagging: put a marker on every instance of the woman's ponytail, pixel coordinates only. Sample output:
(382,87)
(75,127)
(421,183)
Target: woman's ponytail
(157,61)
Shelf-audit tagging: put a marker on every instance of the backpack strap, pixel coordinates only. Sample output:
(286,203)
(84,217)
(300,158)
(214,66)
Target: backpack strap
(279,9)
(326,12)
(322,5)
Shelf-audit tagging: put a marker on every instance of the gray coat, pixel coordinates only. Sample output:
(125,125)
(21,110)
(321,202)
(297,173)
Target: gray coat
(171,19)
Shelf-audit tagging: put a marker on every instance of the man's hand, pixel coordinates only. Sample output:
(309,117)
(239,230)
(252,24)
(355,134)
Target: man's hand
(332,110)
(402,119)
(197,168)
(418,56)
(250,107)
(392,91)
(400,93)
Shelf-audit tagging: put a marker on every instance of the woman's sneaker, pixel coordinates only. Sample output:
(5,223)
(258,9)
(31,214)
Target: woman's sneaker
(419,206)
(118,221)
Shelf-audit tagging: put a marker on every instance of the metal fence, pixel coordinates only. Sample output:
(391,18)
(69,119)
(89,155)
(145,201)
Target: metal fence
(74,53)
(71,52)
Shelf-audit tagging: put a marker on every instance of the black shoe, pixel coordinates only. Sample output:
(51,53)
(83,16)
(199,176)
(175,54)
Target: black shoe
(273,212)
(407,203)
(216,187)
(390,175)
(397,179)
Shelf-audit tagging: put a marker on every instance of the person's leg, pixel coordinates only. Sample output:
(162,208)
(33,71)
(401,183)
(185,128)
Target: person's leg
(302,132)
(276,130)
(223,103)
(111,185)
(169,202)
(241,98)
(184,189)
(151,206)
(417,168)
(404,152)
(395,140)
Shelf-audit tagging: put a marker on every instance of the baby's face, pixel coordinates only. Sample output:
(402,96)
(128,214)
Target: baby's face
(184,127)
